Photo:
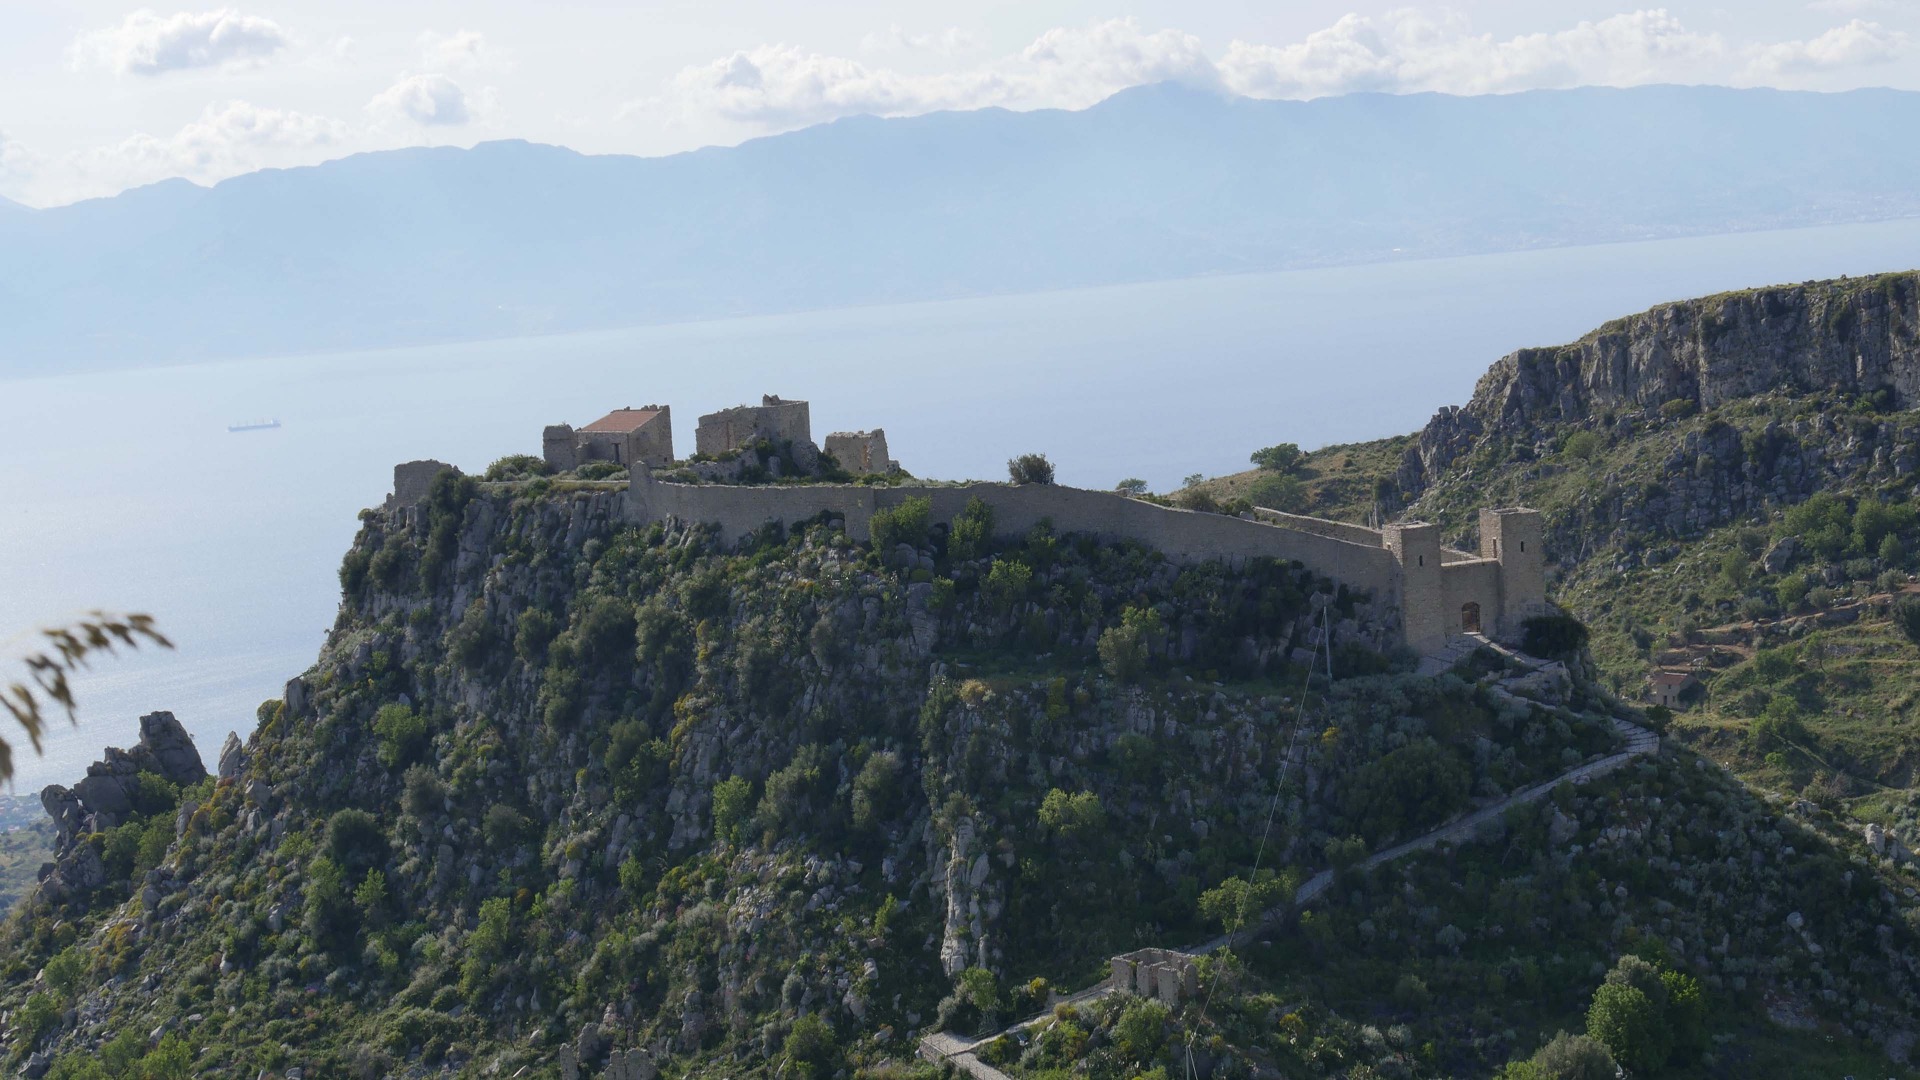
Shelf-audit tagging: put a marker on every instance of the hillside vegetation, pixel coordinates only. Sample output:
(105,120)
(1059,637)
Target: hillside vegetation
(1730,487)
(558,783)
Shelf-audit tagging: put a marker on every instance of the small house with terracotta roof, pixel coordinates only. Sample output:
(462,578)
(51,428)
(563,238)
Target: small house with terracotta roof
(623,437)
(1674,689)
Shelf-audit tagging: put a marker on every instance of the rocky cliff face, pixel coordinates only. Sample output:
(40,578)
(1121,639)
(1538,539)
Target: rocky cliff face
(110,793)
(1848,337)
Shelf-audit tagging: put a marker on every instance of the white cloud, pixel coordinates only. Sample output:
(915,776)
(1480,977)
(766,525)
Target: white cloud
(1408,51)
(462,50)
(1405,51)
(226,140)
(893,39)
(147,43)
(781,85)
(1857,44)
(1852,6)
(428,100)
(16,161)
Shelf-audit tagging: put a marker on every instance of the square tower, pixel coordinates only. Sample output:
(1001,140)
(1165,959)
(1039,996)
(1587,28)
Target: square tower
(1515,537)
(1416,548)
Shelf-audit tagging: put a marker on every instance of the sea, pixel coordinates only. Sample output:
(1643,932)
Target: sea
(124,490)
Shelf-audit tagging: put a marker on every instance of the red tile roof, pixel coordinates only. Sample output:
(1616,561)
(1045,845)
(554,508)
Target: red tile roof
(623,420)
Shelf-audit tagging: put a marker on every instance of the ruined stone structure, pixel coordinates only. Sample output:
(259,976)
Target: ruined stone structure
(1436,592)
(413,479)
(774,418)
(860,452)
(623,436)
(1155,973)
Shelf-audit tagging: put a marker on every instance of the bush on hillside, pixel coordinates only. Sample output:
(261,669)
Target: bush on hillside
(1280,458)
(972,534)
(1283,493)
(1030,469)
(516,467)
(903,524)
(1906,615)
(1553,637)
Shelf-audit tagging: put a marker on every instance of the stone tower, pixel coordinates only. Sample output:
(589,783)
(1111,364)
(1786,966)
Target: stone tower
(1416,547)
(1515,537)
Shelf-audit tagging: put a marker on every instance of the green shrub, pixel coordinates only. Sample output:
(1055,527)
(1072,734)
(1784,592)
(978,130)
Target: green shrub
(1571,1057)
(1280,458)
(1581,445)
(1007,583)
(402,734)
(732,803)
(354,839)
(1624,1020)
(447,499)
(794,791)
(1906,616)
(1124,650)
(1283,493)
(876,791)
(1030,469)
(809,1051)
(1823,524)
(505,828)
(1131,487)
(532,632)
(1141,1030)
(1417,784)
(602,470)
(903,524)
(1556,637)
(972,536)
(1071,816)
(517,467)
(1679,408)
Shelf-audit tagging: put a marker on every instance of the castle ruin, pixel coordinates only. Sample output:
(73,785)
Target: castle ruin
(1427,593)
(623,436)
(861,452)
(774,418)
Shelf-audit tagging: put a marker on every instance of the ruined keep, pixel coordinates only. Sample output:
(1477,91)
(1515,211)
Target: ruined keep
(412,481)
(774,418)
(1170,976)
(860,452)
(623,436)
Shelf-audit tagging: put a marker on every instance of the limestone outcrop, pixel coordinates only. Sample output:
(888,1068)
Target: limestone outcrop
(107,795)
(1850,336)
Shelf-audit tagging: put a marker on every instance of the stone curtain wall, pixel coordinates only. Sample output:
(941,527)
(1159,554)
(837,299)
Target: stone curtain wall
(1183,535)
(1475,581)
(1338,530)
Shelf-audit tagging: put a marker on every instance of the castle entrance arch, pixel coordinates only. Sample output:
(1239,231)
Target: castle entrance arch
(1470,618)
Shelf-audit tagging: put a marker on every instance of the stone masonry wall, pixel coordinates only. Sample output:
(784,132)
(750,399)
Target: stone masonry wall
(1183,535)
(774,417)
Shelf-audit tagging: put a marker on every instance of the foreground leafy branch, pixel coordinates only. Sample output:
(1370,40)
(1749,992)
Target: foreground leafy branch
(67,651)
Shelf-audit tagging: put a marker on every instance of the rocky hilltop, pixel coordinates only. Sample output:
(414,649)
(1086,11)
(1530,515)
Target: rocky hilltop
(564,795)
(1848,337)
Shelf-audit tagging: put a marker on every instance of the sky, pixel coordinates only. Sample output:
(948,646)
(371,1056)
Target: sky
(97,97)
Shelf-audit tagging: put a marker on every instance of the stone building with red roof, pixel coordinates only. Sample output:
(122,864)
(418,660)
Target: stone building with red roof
(623,437)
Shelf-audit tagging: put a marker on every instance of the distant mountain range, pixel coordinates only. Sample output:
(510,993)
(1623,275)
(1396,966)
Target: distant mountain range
(1159,182)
